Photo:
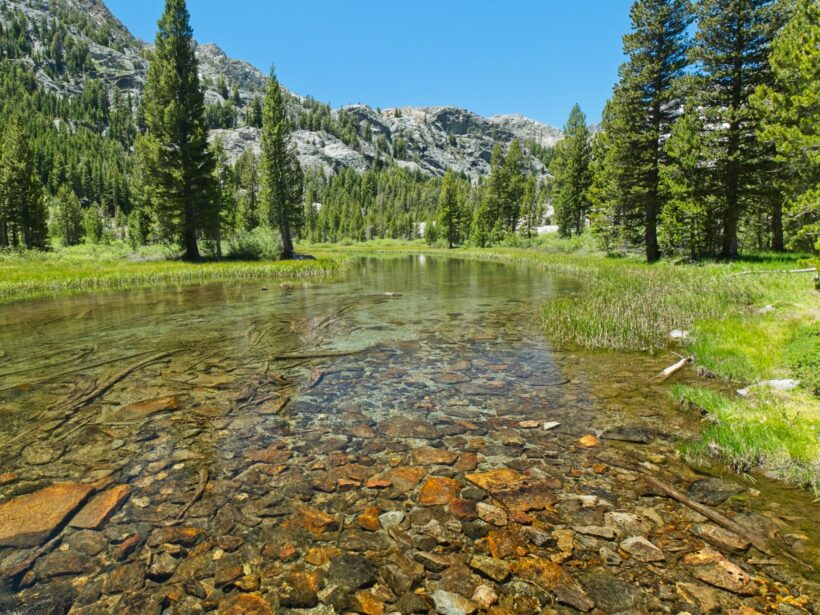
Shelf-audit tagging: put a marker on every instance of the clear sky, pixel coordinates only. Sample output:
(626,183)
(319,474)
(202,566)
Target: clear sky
(535,57)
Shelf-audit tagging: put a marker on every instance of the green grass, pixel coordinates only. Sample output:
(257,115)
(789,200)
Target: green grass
(780,435)
(88,268)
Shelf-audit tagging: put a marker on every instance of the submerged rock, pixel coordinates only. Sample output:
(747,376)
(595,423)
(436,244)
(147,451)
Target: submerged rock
(712,491)
(100,508)
(29,520)
(449,603)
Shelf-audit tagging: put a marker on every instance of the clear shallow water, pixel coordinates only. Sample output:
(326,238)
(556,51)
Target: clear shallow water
(296,396)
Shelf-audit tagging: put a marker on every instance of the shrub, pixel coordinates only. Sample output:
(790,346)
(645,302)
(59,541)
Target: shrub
(259,244)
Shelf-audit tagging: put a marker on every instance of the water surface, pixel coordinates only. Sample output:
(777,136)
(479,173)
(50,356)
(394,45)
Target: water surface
(293,407)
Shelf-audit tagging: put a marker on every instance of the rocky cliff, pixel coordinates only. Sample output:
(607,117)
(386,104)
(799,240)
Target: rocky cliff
(430,139)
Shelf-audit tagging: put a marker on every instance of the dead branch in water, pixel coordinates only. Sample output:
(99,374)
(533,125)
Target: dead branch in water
(200,489)
(764,271)
(709,513)
(673,369)
(319,355)
(73,371)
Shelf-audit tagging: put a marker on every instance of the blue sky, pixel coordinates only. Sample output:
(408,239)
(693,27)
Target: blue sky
(535,57)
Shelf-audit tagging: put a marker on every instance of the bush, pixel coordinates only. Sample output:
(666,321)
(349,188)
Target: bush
(259,244)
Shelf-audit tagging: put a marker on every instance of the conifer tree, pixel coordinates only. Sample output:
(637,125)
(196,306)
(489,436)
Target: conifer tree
(282,177)
(790,110)
(181,169)
(449,210)
(657,49)
(572,175)
(732,47)
(69,217)
(22,210)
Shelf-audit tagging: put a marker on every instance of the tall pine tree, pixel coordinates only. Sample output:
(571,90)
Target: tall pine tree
(449,210)
(22,210)
(732,48)
(790,110)
(571,168)
(282,176)
(181,169)
(646,103)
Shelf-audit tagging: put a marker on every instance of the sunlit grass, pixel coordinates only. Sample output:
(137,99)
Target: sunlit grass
(88,268)
(781,435)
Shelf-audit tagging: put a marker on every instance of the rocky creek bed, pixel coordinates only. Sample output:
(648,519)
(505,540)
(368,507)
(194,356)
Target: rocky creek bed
(404,441)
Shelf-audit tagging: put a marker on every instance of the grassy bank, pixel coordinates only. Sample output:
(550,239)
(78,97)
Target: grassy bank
(88,268)
(746,324)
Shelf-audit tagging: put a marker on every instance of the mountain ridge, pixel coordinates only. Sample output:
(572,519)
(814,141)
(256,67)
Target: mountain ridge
(428,139)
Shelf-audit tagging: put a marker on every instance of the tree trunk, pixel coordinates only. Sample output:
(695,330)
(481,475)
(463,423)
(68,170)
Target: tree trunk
(653,251)
(189,232)
(218,240)
(287,240)
(777,227)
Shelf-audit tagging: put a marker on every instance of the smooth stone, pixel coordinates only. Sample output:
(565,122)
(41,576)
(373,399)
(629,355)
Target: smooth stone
(642,550)
(712,491)
(449,603)
(351,571)
(29,520)
(497,569)
(391,519)
(719,537)
(100,508)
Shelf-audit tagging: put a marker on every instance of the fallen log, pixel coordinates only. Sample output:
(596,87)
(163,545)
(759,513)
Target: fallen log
(673,369)
(709,513)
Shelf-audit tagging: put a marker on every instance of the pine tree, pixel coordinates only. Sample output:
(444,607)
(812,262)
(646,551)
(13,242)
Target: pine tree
(449,210)
(69,217)
(282,177)
(254,116)
(246,173)
(23,217)
(790,110)
(572,174)
(180,176)
(225,215)
(731,48)
(515,172)
(657,58)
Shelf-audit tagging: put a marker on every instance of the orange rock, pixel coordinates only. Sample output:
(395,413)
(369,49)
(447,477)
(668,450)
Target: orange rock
(287,553)
(314,521)
(575,472)
(151,406)
(369,519)
(28,520)
(497,480)
(7,477)
(319,556)
(464,509)
(245,604)
(506,542)
(529,424)
(589,441)
(405,479)
(467,462)
(366,603)
(378,483)
(542,572)
(346,484)
(427,455)
(272,455)
(100,508)
(438,491)
(599,468)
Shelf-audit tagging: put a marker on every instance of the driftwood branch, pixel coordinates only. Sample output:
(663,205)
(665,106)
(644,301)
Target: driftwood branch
(318,355)
(764,271)
(673,369)
(200,489)
(709,513)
